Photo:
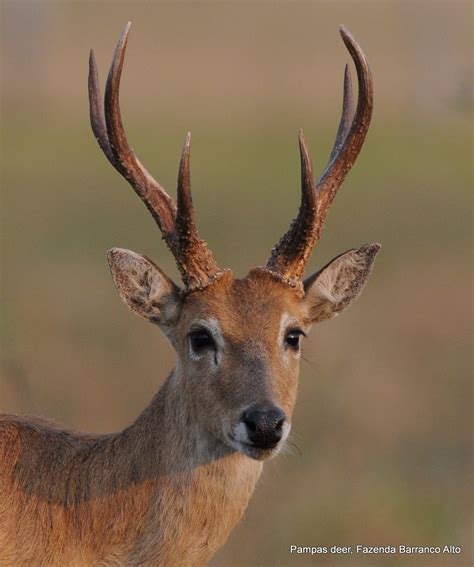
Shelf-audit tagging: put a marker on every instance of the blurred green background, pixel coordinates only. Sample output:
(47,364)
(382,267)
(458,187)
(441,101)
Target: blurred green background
(383,417)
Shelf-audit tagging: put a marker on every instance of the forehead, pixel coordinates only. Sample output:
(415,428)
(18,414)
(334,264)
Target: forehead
(258,302)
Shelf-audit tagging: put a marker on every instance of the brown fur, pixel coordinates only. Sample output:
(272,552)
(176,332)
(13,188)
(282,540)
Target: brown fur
(125,499)
(168,489)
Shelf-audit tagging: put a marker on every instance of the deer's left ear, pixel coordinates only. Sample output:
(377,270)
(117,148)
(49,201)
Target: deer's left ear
(339,283)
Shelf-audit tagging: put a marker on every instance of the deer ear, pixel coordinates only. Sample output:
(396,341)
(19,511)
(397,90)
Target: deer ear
(339,283)
(142,286)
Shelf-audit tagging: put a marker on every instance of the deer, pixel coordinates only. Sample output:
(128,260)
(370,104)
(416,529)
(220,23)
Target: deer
(168,489)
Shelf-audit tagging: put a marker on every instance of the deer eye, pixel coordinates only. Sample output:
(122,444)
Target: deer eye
(201,340)
(292,339)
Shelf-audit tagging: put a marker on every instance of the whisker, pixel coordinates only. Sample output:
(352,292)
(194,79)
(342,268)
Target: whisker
(292,447)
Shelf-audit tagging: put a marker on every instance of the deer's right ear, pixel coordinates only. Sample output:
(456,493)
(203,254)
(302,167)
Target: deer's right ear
(142,286)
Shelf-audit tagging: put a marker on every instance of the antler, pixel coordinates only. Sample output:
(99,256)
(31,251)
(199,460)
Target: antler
(177,224)
(289,257)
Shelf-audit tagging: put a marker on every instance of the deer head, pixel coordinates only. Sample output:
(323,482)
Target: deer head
(237,340)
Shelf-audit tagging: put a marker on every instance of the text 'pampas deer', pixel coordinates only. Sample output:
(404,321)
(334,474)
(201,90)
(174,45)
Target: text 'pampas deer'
(168,489)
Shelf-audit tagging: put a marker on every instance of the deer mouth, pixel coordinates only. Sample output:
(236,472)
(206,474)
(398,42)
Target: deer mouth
(257,451)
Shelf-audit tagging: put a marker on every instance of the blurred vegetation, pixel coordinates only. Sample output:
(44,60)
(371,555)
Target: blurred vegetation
(383,419)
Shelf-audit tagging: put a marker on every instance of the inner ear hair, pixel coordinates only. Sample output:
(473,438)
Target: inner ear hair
(142,286)
(339,283)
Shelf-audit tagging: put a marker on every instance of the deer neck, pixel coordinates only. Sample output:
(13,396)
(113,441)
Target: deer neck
(160,492)
(197,487)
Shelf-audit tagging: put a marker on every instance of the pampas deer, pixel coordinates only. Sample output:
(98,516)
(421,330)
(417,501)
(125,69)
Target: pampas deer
(168,489)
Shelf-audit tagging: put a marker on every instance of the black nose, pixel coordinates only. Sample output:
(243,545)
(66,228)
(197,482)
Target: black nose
(264,425)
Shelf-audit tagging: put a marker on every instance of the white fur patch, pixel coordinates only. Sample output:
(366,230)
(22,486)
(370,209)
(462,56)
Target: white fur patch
(240,432)
(285,431)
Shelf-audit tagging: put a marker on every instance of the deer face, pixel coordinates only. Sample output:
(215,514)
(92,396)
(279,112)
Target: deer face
(239,343)
(239,340)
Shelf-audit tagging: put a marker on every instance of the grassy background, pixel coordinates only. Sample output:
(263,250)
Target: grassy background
(383,417)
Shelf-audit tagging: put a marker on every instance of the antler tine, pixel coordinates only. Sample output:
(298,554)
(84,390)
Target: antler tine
(177,224)
(96,111)
(291,248)
(196,262)
(159,203)
(343,160)
(289,257)
(185,218)
(347,114)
